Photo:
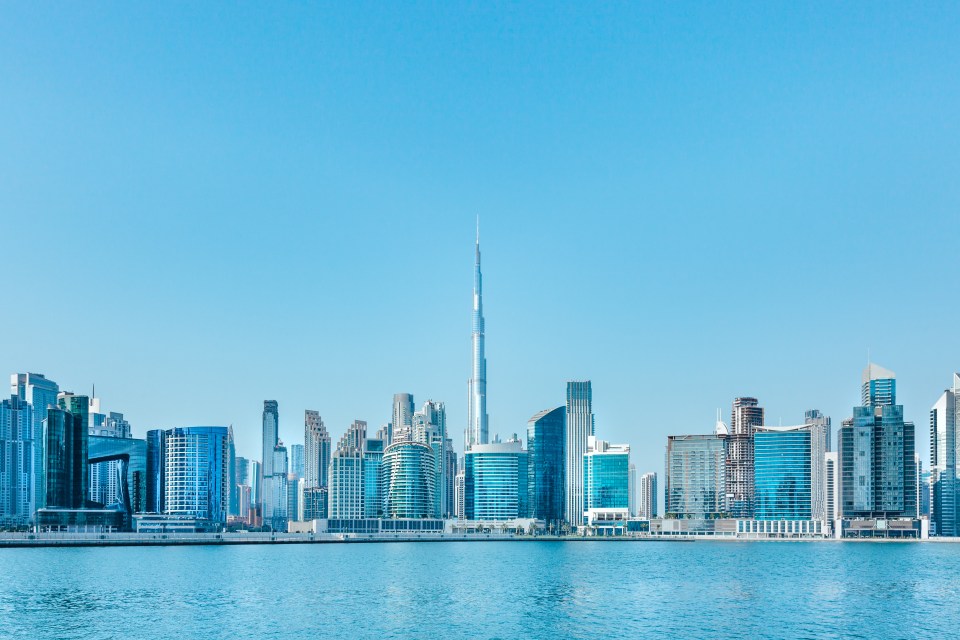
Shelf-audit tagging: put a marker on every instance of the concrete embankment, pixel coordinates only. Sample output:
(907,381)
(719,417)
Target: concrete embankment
(9,540)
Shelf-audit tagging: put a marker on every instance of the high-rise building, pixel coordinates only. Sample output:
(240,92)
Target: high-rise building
(632,492)
(196,476)
(17,459)
(831,483)
(579,427)
(316,451)
(546,432)
(408,477)
(459,499)
(41,394)
(744,417)
(782,472)
(65,474)
(156,458)
(820,437)
(297,460)
(495,481)
(372,481)
(696,477)
(606,480)
(877,453)
(430,428)
(275,503)
(944,471)
(127,458)
(271,422)
(346,474)
(401,429)
(648,495)
(477,420)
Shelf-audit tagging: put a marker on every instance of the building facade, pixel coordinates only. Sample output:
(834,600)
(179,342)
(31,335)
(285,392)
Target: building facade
(346,474)
(408,477)
(579,427)
(495,481)
(17,459)
(478,429)
(606,482)
(648,495)
(546,433)
(782,472)
(196,477)
(696,477)
(316,450)
(745,415)
(877,453)
(944,476)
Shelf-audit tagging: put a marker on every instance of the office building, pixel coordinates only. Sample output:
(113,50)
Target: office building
(346,474)
(696,477)
(648,495)
(579,427)
(606,482)
(877,455)
(632,490)
(316,451)
(495,481)
(373,454)
(17,458)
(831,482)
(297,460)
(41,394)
(944,473)
(546,432)
(477,420)
(782,472)
(459,499)
(820,438)
(408,478)
(270,419)
(196,476)
(430,428)
(745,415)
(276,502)
(127,459)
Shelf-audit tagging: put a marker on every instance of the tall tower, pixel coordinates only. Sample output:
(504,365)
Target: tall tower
(477,422)
(746,414)
(579,427)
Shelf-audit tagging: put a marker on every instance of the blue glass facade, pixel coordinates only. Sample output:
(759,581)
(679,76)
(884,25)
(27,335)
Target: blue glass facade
(408,481)
(495,482)
(196,473)
(696,477)
(606,477)
(782,474)
(546,482)
(372,481)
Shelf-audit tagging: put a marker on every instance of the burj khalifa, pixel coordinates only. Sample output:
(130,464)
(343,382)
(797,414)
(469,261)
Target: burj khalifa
(477,421)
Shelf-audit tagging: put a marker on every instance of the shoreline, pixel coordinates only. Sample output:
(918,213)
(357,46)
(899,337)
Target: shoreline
(75,540)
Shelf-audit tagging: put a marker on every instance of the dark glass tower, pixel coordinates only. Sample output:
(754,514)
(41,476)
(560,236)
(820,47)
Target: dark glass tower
(65,467)
(545,459)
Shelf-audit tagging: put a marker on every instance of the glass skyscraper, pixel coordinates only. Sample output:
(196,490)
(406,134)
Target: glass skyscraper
(877,453)
(17,459)
(782,473)
(495,481)
(696,477)
(579,427)
(316,451)
(546,432)
(477,420)
(408,479)
(196,475)
(372,478)
(944,472)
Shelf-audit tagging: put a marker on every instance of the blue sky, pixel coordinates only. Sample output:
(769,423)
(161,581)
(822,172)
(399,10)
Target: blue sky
(203,207)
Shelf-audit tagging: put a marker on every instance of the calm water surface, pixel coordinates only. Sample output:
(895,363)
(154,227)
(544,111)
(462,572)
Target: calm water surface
(484,590)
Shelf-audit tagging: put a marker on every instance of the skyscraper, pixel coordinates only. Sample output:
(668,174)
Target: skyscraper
(782,472)
(579,427)
(65,474)
(745,415)
(276,504)
(271,421)
(820,437)
(346,474)
(296,460)
(430,428)
(373,457)
(316,451)
(17,459)
(495,481)
(546,432)
(401,429)
(407,478)
(648,495)
(944,472)
(877,455)
(831,481)
(696,477)
(477,421)
(196,475)
(41,394)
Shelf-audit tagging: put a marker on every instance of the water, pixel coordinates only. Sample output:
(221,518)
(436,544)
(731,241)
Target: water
(483,590)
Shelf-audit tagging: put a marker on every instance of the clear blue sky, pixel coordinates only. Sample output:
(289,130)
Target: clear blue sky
(205,206)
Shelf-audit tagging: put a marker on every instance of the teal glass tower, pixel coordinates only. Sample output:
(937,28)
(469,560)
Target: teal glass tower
(408,480)
(495,481)
(782,473)
(606,480)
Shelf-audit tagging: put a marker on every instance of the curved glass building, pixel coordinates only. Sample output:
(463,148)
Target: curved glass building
(782,478)
(196,479)
(407,478)
(546,432)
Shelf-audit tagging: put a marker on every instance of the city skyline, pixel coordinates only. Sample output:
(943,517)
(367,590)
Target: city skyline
(695,211)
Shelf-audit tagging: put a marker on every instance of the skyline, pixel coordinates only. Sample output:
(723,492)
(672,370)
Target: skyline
(713,203)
